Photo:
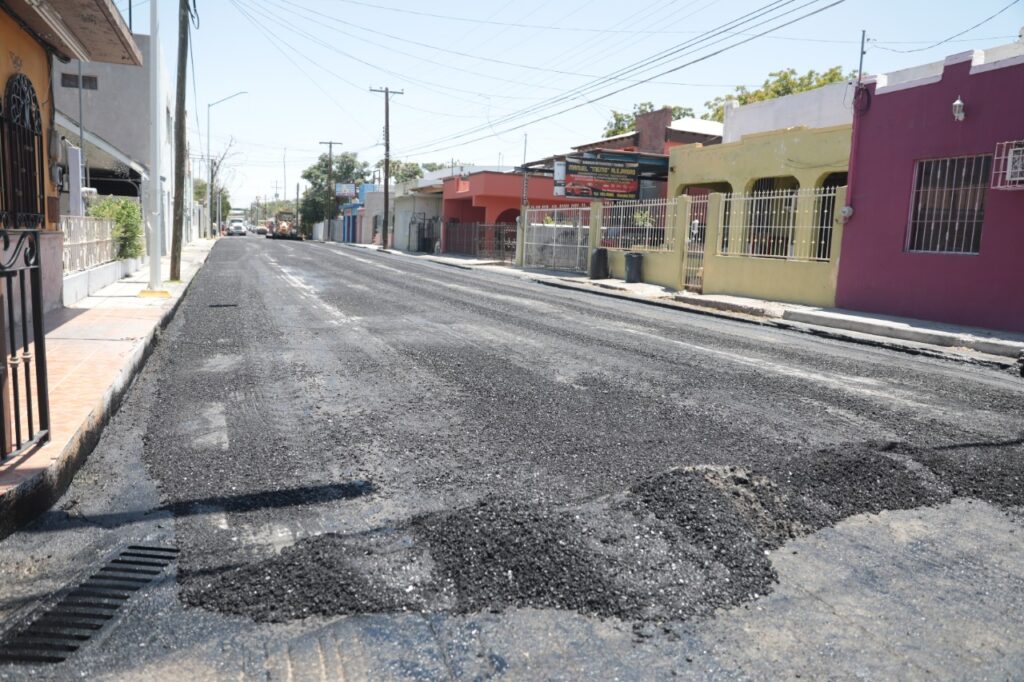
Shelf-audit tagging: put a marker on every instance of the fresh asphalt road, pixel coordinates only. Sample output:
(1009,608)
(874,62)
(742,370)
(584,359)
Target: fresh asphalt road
(380,467)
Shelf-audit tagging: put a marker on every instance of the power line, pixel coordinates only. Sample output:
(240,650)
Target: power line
(672,70)
(687,47)
(955,35)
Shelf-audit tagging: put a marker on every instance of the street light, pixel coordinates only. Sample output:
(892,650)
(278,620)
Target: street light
(209,159)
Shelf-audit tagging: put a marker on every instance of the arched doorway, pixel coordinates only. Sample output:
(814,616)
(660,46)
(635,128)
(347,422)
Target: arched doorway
(22,169)
(508,217)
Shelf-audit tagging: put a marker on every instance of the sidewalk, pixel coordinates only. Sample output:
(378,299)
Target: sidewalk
(93,351)
(970,344)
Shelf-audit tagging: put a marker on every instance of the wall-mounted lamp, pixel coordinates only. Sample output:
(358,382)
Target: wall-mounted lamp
(958,109)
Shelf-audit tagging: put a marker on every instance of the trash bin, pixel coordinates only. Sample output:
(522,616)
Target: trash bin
(599,264)
(633,265)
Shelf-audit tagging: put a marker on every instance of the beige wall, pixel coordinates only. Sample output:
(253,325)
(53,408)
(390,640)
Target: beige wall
(808,154)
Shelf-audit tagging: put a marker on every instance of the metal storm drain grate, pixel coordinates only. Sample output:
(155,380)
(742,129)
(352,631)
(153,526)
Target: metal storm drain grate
(223,305)
(81,613)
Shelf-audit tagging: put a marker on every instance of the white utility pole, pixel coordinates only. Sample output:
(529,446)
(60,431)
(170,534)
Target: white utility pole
(156,115)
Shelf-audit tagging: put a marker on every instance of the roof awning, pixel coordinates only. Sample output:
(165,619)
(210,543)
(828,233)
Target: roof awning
(651,166)
(98,152)
(88,30)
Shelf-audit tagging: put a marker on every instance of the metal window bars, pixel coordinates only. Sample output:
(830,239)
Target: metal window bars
(789,224)
(643,225)
(1008,165)
(948,204)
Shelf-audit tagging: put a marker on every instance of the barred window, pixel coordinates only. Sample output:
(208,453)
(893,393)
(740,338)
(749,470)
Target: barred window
(70,80)
(948,204)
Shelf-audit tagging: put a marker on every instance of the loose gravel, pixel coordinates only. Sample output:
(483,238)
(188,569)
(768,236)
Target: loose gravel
(469,449)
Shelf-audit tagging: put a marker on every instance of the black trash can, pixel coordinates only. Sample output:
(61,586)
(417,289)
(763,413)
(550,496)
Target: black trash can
(633,265)
(599,264)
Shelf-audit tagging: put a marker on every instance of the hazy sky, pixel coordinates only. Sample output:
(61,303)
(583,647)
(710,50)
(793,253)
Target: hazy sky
(479,75)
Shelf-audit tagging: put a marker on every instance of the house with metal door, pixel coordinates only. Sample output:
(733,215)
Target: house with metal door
(762,205)
(34,35)
(937,192)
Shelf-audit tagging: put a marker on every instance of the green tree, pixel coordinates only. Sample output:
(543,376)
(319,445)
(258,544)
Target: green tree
(622,122)
(402,171)
(199,195)
(430,166)
(127,217)
(347,169)
(778,84)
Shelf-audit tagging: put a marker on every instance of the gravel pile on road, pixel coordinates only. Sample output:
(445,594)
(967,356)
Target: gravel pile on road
(675,546)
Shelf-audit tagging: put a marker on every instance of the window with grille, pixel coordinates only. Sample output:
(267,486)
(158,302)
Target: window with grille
(948,204)
(70,80)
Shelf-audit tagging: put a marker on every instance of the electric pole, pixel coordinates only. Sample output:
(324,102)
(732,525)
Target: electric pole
(329,208)
(387,157)
(184,15)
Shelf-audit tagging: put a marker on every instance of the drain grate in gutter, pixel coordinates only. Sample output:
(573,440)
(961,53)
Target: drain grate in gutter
(84,610)
(223,305)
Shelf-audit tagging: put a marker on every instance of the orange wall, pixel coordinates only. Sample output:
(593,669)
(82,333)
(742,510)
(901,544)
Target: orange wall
(494,193)
(20,53)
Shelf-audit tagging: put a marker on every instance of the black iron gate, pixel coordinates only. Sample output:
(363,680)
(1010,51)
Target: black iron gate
(492,242)
(24,399)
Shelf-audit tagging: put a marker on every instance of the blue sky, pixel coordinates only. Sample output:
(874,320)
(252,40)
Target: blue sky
(477,76)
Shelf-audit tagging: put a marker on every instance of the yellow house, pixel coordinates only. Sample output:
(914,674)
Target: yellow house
(32,35)
(764,221)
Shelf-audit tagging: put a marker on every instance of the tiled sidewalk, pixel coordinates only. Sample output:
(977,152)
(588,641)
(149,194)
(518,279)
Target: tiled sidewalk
(93,349)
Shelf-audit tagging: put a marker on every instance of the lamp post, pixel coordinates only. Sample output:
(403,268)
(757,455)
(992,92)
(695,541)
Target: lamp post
(209,159)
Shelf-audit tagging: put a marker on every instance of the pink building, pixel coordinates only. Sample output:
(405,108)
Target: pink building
(937,231)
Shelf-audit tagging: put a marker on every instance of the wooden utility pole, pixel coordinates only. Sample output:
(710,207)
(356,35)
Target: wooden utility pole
(387,158)
(184,15)
(329,209)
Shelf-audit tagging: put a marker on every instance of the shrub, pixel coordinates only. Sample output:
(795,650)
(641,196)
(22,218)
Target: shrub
(127,217)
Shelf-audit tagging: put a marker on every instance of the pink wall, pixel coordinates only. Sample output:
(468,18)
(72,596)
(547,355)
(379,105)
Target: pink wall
(876,272)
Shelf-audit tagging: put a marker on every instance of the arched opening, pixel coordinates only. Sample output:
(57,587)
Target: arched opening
(22,149)
(508,216)
(825,212)
(771,216)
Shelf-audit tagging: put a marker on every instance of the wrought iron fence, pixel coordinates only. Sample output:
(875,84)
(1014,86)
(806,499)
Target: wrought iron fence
(557,238)
(697,223)
(644,225)
(492,242)
(24,399)
(786,224)
(88,242)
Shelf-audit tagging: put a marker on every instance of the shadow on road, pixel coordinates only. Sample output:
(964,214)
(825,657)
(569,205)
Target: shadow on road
(55,520)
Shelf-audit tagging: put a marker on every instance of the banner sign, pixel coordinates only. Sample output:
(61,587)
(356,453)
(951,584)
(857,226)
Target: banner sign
(559,179)
(342,189)
(597,179)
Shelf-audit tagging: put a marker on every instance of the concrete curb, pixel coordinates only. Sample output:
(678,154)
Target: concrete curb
(38,494)
(997,361)
(930,336)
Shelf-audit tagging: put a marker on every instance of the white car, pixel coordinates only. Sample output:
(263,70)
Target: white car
(236,228)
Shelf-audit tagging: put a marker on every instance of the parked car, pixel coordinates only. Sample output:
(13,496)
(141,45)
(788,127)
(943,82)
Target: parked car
(261,230)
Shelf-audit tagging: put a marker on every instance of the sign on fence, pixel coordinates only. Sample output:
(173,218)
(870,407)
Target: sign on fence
(599,179)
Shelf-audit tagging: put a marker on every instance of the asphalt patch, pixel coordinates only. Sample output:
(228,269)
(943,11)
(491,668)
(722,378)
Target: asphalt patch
(676,546)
